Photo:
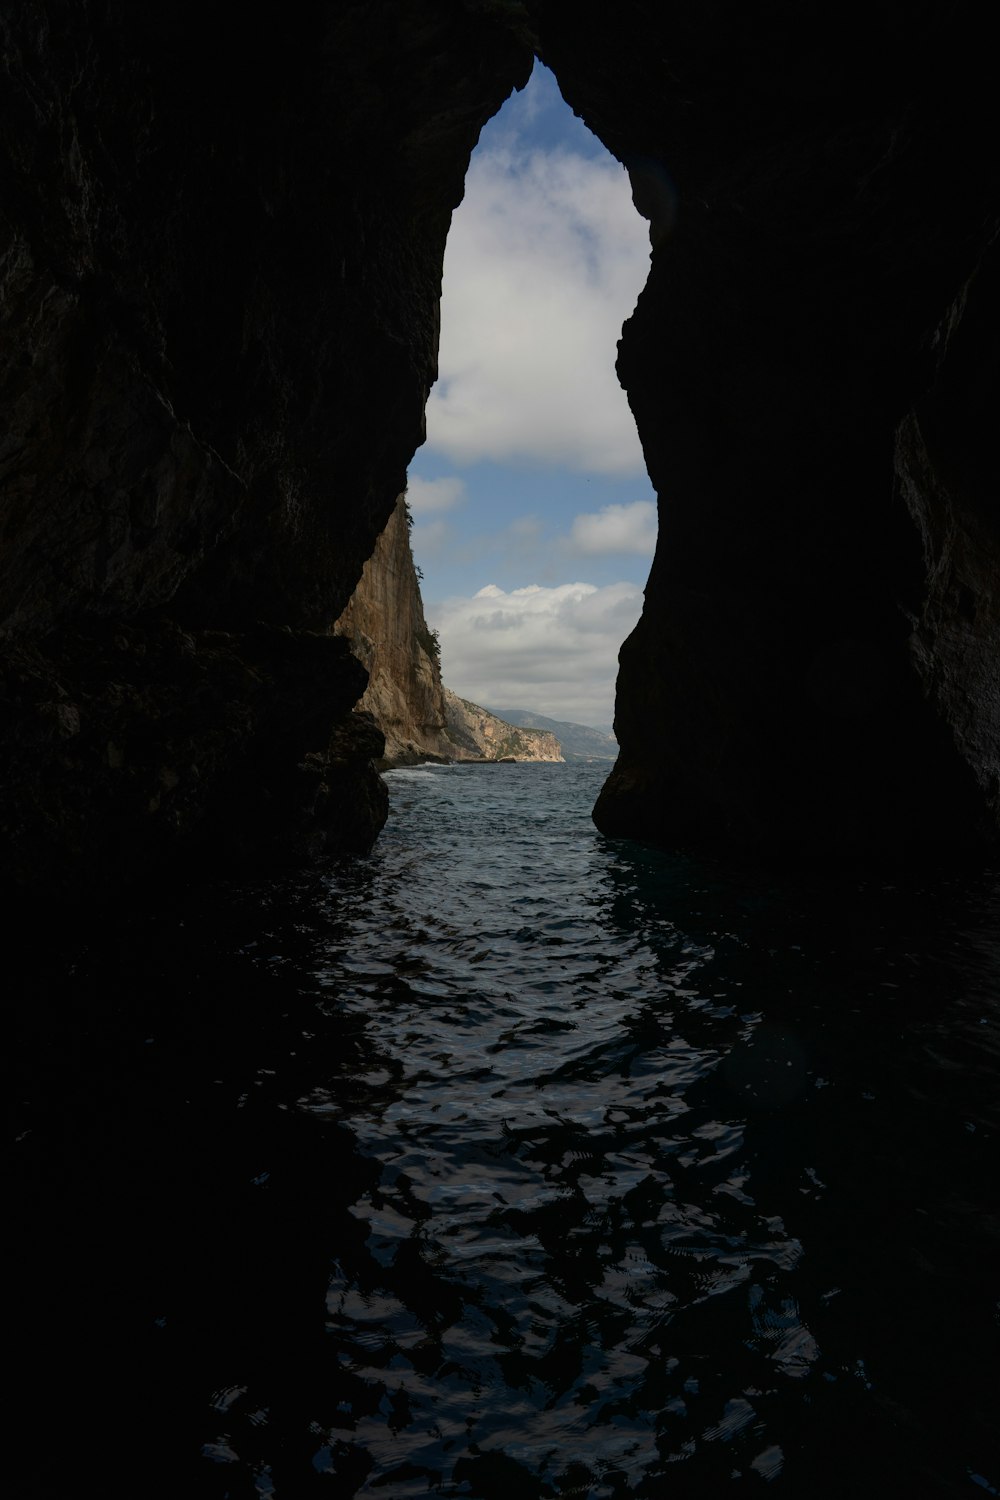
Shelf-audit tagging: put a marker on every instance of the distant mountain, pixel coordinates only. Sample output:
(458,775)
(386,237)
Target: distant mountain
(578,741)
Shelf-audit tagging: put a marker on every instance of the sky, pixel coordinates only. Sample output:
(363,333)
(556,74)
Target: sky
(534,518)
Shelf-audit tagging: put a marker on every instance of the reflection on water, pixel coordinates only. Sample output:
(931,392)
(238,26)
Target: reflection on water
(508,1161)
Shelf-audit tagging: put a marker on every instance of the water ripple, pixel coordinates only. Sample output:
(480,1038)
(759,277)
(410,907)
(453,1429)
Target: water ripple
(575,1244)
(510,1161)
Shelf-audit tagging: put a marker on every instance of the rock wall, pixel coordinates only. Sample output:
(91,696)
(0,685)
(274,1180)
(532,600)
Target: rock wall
(476,734)
(385,624)
(220,274)
(219,284)
(576,741)
(811,368)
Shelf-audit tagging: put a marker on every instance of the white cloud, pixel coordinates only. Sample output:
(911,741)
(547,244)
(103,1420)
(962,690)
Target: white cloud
(511,551)
(545,260)
(425,495)
(432,539)
(552,650)
(617,528)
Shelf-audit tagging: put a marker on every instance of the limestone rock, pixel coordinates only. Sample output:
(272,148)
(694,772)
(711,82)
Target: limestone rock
(476,734)
(576,741)
(384,621)
(420,718)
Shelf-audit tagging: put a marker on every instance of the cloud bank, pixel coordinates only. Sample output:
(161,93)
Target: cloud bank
(552,650)
(425,496)
(617,528)
(545,260)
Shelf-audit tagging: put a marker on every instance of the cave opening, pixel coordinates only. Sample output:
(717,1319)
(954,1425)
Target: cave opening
(534,521)
(503,1157)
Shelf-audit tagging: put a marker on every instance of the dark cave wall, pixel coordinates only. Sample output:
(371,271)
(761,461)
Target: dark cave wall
(812,369)
(222,280)
(219,288)
(220,283)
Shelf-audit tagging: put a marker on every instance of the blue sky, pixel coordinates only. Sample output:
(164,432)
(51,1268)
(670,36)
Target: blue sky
(534,519)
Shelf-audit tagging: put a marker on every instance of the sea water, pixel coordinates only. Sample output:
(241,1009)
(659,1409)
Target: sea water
(509,1160)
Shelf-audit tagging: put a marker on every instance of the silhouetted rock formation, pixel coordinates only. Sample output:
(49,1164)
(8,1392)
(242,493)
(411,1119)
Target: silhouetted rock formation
(812,368)
(220,278)
(221,270)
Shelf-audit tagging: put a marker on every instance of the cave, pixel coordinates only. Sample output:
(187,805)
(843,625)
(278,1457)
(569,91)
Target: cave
(221,281)
(221,275)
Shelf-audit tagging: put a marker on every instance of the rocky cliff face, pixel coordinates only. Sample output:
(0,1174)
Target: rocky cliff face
(220,272)
(476,734)
(576,741)
(421,720)
(384,622)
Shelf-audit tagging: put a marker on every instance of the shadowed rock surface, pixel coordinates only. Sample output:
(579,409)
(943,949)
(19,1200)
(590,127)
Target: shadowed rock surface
(220,279)
(812,368)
